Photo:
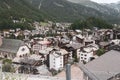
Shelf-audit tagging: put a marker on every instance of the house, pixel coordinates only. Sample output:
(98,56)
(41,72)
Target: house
(27,34)
(105,34)
(87,53)
(11,48)
(35,32)
(40,45)
(6,33)
(28,43)
(88,40)
(45,54)
(78,31)
(73,47)
(30,64)
(115,41)
(109,34)
(114,47)
(84,39)
(57,59)
(104,45)
(64,40)
(36,47)
(26,65)
(79,38)
(105,67)
(116,33)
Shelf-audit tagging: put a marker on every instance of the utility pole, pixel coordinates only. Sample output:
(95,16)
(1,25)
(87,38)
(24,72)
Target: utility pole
(1,72)
(68,72)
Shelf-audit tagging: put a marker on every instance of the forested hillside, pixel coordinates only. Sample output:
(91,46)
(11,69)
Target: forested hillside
(17,10)
(90,23)
(71,10)
(28,11)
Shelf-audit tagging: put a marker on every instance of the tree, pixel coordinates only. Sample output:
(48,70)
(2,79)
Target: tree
(75,58)
(90,23)
(100,52)
(7,66)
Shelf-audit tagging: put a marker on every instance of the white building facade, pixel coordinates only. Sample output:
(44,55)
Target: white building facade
(56,61)
(23,51)
(87,53)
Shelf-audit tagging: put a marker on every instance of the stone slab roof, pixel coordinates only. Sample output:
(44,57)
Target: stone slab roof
(105,66)
(11,45)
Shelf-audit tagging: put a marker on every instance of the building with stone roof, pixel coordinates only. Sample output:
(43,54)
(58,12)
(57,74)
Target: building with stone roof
(106,67)
(10,48)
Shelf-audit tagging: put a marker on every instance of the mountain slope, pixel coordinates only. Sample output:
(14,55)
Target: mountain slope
(56,10)
(115,6)
(105,9)
(63,10)
(17,9)
(71,10)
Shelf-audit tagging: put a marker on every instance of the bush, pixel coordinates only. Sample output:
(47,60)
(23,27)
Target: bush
(7,66)
(7,61)
(100,52)
(54,72)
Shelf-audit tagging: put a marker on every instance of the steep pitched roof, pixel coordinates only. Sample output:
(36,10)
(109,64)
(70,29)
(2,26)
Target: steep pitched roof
(11,45)
(106,66)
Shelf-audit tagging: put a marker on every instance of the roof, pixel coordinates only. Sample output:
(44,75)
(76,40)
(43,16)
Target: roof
(35,57)
(93,45)
(104,43)
(44,42)
(87,49)
(80,36)
(116,41)
(28,61)
(105,66)
(114,47)
(75,45)
(11,45)
(63,51)
(46,51)
(59,52)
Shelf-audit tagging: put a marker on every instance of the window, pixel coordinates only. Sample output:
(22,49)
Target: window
(23,49)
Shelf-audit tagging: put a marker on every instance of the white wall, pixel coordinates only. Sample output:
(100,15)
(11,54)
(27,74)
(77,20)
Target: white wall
(56,62)
(85,56)
(23,50)
(38,47)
